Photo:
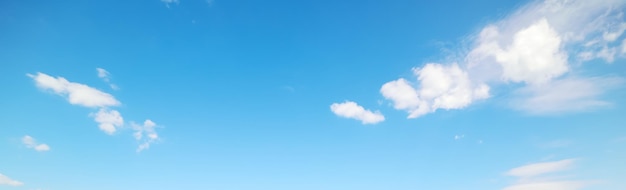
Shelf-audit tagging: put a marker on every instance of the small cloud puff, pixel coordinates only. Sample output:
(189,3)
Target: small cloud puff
(30,142)
(352,110)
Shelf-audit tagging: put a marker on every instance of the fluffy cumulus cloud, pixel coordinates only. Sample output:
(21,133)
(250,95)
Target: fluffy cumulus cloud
(534,56)
(352,110)
(109,120)
(544,176)
(533,49)
(4,180)
(30,142)
(440,87)
(536,45)
(145,134)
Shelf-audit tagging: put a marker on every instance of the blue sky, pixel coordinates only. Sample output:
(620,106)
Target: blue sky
(333,95)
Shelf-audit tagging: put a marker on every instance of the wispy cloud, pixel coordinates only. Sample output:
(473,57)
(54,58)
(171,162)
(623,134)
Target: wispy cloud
(106,77)
(543,176)
(564,95)
(30,142)
(145,134)
(550,185)
(104,74)
(4,180)
(532,49)
(352,110)
(535,45)
(536,169)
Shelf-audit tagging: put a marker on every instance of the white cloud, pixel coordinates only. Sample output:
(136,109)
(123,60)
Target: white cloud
(4,180)
(352,110)
(30,142)
(440,87)
(146,134)
(83,95)
(76,93)
(531,49)
(617,31)
(533,170)
(108,120)
(541,176)
(540,38)
(404,97)
(564,95)
(535,55)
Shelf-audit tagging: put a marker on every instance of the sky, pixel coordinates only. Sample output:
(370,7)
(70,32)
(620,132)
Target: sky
(313,95)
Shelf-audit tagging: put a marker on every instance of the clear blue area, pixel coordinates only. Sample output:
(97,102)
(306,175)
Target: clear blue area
(242,91)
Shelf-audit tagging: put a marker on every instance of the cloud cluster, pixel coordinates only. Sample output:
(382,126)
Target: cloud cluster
(83,95)
(4,180)
(440,87)
(145,134)
(352,110)
(541,176)
(109,120)
(532,48)
(30,142)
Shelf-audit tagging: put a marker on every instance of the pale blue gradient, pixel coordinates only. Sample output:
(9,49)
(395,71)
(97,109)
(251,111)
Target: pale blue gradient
(242,89)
